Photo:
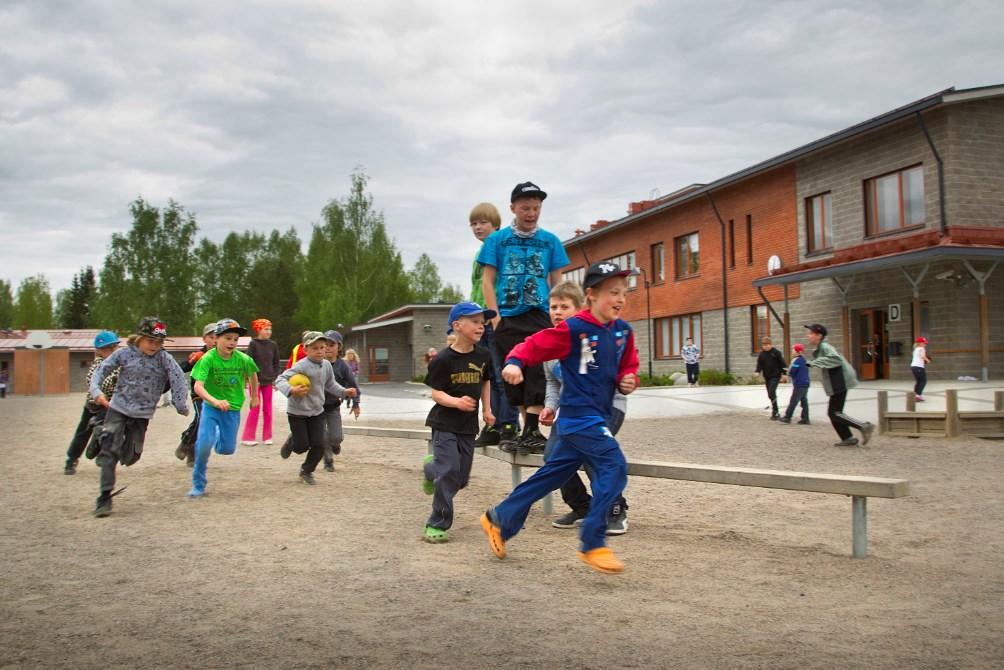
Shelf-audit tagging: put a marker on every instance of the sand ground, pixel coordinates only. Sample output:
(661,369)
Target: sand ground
(267,572)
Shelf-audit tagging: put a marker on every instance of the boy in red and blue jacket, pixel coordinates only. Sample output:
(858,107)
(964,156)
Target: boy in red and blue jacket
(597,356)
(798,371)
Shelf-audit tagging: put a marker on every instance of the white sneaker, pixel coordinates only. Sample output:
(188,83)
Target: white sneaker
(268,442)
(919,398)
(248,443)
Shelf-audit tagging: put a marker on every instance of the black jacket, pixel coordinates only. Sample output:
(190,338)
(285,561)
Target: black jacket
(771,364)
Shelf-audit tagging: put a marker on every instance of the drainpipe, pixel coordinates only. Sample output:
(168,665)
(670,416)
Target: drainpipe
(725,282)
(941,174)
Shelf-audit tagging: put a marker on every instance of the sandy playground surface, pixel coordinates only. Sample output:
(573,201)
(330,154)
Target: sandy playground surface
(267,572)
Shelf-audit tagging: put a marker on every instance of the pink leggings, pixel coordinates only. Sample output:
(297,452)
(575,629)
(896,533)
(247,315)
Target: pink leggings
(265,396)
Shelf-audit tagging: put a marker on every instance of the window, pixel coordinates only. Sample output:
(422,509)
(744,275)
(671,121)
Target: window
(658,263)
(749,239)
(894,201)
(759,325)
(818,226)
(575,275)
(627,262)
(687,256)
(672,332)
(732,243)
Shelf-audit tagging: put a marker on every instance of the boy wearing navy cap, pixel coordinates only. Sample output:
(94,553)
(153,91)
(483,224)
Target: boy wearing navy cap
(460,377)
(521,264)
(838,379)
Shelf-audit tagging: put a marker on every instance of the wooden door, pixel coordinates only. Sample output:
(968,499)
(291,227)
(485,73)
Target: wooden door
(379,363)
(868,349)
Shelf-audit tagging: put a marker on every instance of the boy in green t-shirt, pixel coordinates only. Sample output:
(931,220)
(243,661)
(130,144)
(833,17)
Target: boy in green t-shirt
(220,377)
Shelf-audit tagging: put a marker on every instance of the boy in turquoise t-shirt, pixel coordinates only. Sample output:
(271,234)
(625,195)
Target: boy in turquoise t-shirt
(220,377)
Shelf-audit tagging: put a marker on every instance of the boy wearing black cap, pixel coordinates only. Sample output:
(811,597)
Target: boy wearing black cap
(220,377)
(460,377)
(144,369)
(598,357)
(838,378)
(521,264)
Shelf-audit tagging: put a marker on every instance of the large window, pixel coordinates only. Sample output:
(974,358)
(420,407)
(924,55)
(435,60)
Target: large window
(759,325)
(658,263)
(818,226)
(672,332)
(732,243)
(688,262)
(627,262)
(576,275)
(894,201)
(749,239)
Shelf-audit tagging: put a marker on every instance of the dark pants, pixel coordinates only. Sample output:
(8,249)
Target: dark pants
(799,394)
(121,439)
(772,383)
(841,422)
(573,491)
(503,411)
(511,331)
(191,434)
(693,372)
(309,435)
(333,435)
(450,471)
(920,376)
(82,435)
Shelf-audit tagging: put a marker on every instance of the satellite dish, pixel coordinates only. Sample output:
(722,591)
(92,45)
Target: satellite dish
(38,339)
(773,264)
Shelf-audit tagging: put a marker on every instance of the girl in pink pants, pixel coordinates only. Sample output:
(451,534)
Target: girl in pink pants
(266,355)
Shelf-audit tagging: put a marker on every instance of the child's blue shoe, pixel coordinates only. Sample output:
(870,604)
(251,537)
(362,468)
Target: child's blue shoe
(196,492)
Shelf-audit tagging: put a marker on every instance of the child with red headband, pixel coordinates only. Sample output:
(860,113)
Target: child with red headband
(265,354)
(918,366)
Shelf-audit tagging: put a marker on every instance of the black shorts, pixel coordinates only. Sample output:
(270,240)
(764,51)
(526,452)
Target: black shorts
(511,331)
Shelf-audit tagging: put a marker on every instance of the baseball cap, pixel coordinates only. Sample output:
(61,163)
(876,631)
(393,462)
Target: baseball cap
(597,272)
(152,327)
(527,189)
(462,309)
(334,336)
(312,336)
(921,340)
(209,329)
(105,338)
(799,348)
(227,325)
(817,328)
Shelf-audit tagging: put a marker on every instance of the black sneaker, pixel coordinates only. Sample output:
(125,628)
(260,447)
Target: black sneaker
(866,432)
(804,422)
(571,520)
(307,477)
(336,449)
(489,437)
(531,443)
(617,525)
(329,466)
(784,419)
(849,442)
(70,468)
(508,438)
(286,449)
(775,417)
(103,505)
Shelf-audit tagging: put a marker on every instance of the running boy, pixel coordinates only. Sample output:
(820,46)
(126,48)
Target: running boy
(521,264)
(220,377)
(333,404)
(799,373)
(770,364)
(460,377)
(145,369)
(105,344)
(566,300)
(838,378)
(186,445)
(598,357)
(305,409)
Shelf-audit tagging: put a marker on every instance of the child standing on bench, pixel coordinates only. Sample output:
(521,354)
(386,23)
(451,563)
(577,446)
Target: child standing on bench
(598,356)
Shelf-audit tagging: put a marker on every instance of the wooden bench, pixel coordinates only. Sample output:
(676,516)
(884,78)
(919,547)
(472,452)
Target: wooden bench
(950,423)
(857,487)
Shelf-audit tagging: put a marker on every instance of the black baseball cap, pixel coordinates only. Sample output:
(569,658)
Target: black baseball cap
(597,272)
(817,328)
(527,189)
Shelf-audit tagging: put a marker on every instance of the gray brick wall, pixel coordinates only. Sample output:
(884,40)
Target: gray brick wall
(974,164)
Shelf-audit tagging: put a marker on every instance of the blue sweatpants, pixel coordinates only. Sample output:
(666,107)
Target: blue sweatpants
(597,448)
(217,431)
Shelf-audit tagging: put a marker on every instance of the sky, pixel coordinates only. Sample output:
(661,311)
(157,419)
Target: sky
(253,115)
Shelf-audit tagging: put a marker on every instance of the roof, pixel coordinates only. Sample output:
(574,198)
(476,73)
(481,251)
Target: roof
(83,340)
(945,97)
(405,309)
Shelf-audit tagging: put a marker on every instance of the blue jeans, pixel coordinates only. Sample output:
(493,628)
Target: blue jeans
(799,394)
(503,411)
(596,447)
(573,491)
(920,377)
(217,431)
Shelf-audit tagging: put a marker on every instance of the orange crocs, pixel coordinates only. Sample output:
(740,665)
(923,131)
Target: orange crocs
(494,534)
(602,559)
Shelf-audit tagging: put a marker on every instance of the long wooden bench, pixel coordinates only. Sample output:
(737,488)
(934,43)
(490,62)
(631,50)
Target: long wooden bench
(859,488)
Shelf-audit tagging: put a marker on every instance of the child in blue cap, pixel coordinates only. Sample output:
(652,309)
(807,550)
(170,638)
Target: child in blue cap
(105,343)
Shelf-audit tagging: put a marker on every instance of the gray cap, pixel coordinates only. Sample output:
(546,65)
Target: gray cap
(334,336)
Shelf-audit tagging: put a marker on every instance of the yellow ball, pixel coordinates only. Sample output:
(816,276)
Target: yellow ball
(299,380)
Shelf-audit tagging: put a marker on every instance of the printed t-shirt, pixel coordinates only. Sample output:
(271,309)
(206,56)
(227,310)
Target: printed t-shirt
(522,265)
(225,379)
(457,374)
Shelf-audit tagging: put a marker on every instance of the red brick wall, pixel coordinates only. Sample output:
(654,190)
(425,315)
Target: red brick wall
(768,198)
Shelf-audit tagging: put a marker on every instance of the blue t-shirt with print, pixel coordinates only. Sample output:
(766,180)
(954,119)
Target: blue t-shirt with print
(522,265)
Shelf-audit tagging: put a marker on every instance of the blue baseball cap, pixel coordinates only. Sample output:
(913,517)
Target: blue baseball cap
(462,309)
(105,338)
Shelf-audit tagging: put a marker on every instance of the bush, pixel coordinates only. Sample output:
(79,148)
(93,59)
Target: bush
(717,378)
(419,378)
(655,380)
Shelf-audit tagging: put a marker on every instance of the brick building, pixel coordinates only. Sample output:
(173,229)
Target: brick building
(392,346)
(884,231)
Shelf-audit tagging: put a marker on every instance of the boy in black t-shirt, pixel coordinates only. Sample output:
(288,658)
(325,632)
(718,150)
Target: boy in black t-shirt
(459,376)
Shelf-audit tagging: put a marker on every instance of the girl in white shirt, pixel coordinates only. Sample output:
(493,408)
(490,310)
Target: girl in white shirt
(918,367)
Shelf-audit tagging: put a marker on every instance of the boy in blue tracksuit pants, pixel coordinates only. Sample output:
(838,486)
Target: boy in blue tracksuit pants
(798,371)
(598,356)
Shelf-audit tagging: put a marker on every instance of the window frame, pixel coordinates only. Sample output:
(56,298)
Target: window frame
(755,334)
(627,261)
(871,202)
(671,321)
(658,271)
(749,239)
(682,270)
(827,227)
(574,275)
(732,243)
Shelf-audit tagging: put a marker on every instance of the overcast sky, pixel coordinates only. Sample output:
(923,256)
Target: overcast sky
(253,115)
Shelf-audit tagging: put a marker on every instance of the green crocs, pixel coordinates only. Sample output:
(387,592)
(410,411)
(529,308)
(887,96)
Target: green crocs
(427,485)
(435,535)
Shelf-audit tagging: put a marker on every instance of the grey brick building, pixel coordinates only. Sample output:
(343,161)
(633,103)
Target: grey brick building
(392,346)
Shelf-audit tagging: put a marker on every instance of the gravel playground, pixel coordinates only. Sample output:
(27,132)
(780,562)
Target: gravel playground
(267,572)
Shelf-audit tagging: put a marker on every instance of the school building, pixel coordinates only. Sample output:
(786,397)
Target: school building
(884,231)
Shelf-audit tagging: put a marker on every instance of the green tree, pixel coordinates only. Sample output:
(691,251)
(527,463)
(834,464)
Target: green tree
(33,308)
(222,282)
(271,285)
(150,271)
(6,305)
(423,279)
(452,293)
(73,305)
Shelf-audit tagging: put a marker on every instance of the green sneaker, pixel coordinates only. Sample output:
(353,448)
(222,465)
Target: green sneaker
(435,535)
(428,486)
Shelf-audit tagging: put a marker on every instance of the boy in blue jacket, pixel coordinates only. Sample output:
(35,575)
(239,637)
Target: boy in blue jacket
(798,371)
(598,357)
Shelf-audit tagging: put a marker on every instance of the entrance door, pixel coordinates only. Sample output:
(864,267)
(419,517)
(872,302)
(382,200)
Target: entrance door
(872,341)
(379,364)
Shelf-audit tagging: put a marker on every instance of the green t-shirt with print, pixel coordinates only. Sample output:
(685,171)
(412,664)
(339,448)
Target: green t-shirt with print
(225,379)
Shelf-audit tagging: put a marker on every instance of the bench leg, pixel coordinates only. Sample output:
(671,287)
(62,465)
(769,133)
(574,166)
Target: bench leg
(547,505)
(859,525)
(516,475)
